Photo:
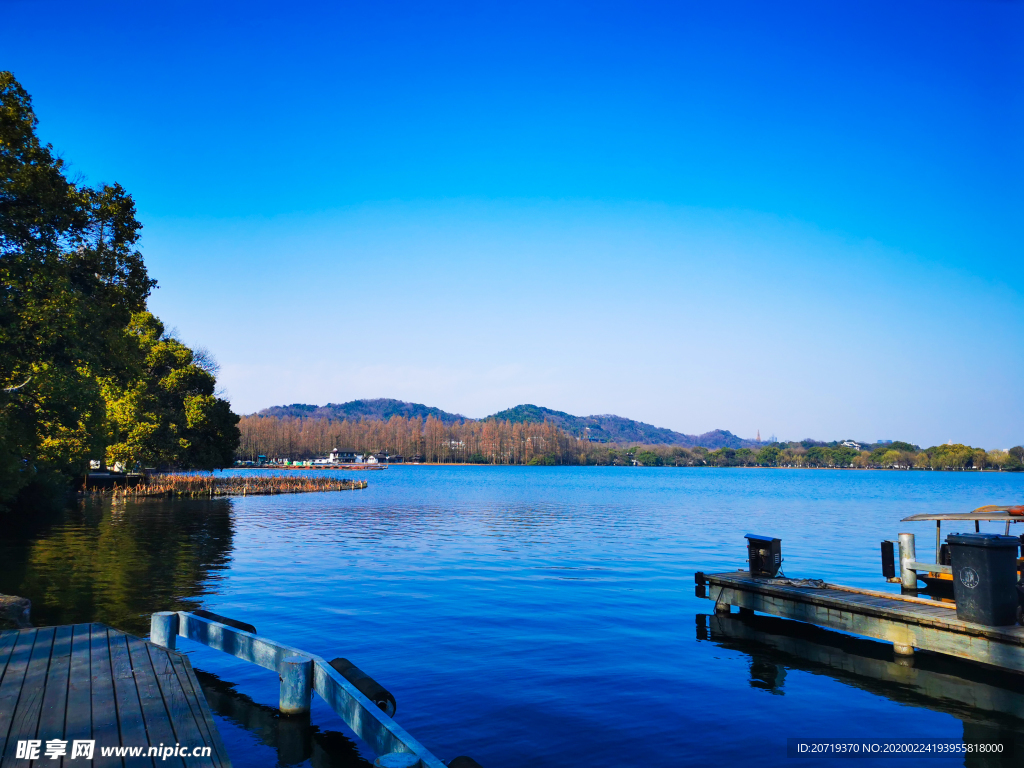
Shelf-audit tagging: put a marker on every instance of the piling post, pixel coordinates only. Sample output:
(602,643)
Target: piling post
(296,685)
(902,650)
(908,554)
(163,629)
(398,760)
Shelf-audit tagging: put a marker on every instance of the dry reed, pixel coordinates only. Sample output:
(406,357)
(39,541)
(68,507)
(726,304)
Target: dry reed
(208,486)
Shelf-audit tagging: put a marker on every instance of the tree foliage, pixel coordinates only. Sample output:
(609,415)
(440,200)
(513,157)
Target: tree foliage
(71,279)
(166,414)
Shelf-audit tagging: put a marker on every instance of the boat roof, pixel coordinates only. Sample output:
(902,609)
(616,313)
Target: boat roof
(990,512)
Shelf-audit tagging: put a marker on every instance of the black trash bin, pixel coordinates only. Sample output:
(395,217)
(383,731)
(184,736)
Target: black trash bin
(984,577)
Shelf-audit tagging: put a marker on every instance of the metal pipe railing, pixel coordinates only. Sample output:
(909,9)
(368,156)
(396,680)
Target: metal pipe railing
(368,721)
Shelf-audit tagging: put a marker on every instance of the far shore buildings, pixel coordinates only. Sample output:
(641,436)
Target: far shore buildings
(344,457)
(335,458)
(351,457)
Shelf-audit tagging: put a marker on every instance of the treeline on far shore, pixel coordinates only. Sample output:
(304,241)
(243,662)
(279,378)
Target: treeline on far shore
(811,454)
(503,442)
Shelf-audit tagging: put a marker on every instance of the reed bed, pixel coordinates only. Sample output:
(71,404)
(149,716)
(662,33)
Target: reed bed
(209,486)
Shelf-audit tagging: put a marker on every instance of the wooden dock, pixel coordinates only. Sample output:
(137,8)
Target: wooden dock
(906,622)
(90,682)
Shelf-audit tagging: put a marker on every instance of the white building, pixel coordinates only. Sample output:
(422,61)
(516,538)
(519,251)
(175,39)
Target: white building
(344,457)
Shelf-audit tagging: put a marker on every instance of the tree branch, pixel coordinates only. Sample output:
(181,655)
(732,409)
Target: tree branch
(15,389)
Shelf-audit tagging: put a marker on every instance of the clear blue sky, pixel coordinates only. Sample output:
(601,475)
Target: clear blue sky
(803,218)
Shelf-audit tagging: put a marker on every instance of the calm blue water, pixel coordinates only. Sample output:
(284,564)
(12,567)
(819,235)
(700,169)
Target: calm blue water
(540,616)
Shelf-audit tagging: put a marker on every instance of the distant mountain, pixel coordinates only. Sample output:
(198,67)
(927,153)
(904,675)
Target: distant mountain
(382,408)
(616,429)
(613,429)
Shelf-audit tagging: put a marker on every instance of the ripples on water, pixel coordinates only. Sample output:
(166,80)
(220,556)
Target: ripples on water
(531,615)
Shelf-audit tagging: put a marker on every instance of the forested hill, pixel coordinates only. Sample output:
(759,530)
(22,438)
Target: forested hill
(382,408)
(609,428)
(617,429)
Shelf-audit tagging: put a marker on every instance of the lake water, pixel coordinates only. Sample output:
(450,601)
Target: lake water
(540,616)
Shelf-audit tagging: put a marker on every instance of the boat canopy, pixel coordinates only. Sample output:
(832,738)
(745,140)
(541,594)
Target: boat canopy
(1010,514)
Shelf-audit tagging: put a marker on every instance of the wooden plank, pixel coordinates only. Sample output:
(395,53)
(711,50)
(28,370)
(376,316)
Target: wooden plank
(154,711)
(104,708)
(78,721)
(55,697)
(186,730)
(935,613)
(837,594)
(10,688)
(200,709)
(89,682)
(1013,635)
(7,640)
(25,723)
(130,722)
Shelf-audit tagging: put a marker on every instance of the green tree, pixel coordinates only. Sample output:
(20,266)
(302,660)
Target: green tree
(649,459)
(723,457)
(744,457)
(70,278)
(953,456)
(1015,459)
(167,413)
(542,460)
(899,445)
(768,456)
(818,456)
(844,456)
(890,459)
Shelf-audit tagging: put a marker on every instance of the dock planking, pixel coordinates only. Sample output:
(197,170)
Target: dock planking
(903,623)
(92,682)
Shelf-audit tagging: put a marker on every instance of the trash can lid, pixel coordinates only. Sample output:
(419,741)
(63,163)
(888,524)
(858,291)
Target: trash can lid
(983,540)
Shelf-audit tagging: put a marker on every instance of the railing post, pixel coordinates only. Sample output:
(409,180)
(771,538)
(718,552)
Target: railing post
(163,629)
(296,685)
(908,554)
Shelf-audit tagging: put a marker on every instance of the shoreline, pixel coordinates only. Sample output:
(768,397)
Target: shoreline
(616,466)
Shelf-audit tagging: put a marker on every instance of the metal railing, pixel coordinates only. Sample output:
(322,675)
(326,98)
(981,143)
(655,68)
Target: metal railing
(301,673)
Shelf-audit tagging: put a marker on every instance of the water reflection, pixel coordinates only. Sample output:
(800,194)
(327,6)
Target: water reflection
(988,702)
(294,738)
(116,563)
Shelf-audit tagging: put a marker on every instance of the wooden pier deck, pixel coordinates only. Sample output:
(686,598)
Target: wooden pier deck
(92,682)
(906,622)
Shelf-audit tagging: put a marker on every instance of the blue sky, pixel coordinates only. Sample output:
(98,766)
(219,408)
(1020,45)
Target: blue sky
(802,218)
